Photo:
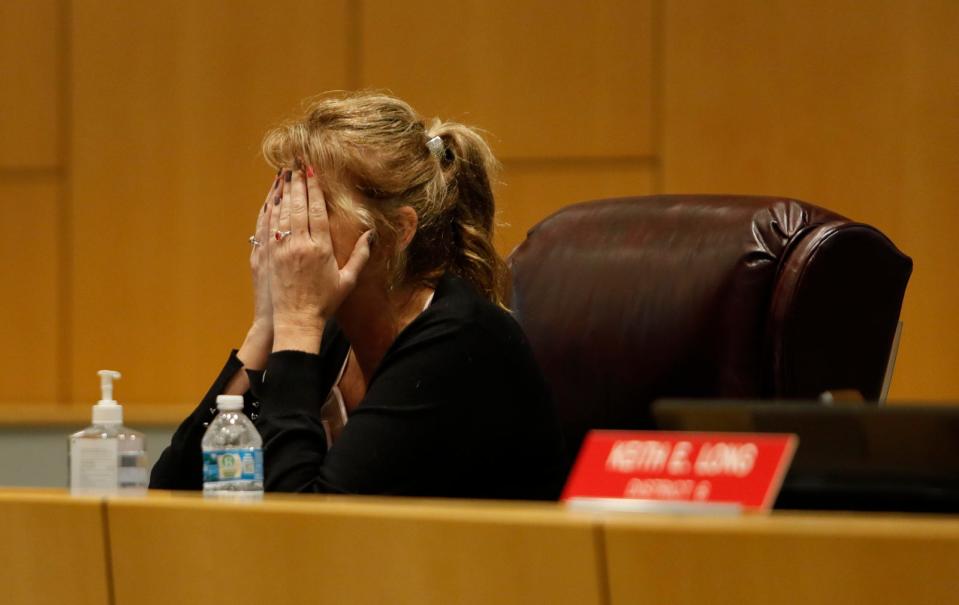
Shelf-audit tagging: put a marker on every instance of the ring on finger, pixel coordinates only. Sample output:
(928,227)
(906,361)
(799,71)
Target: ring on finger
(281,235)
(254,242)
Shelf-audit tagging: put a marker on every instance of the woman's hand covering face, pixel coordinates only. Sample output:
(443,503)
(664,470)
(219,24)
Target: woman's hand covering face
(260,260)
(306,284)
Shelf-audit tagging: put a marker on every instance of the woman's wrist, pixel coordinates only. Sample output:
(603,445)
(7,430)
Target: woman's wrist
(256,346)
(295,334)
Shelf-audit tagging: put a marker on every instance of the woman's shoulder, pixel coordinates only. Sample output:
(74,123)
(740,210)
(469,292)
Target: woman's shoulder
(462,340)
(462,323)
(457,307)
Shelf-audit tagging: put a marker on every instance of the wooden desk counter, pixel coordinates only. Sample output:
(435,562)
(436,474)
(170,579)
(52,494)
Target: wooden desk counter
(180,548)
(821,558)
(334,549)
(52,549)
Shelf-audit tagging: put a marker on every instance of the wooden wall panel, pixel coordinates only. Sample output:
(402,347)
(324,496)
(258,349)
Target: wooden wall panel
(852,106)
(30,339)
(546,79)
(170,102)
(30,38)
(532,190)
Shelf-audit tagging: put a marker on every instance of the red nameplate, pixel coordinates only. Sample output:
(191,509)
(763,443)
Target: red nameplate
(706,468)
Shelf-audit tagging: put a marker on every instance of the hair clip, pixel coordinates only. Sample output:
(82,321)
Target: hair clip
(435,146)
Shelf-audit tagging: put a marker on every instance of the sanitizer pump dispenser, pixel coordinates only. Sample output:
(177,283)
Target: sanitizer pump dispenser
(107,458)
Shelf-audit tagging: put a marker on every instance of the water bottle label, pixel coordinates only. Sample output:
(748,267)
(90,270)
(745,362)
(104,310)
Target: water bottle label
(232,465)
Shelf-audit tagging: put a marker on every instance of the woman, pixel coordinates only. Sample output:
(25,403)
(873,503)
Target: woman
(381,359)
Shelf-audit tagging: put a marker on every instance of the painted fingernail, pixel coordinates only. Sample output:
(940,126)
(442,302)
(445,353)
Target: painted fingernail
(264,207)
(278,172)
(288,176)
(309,172)
(276,182)
(276,200)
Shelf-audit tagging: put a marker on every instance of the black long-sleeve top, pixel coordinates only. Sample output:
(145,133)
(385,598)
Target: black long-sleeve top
(456,408)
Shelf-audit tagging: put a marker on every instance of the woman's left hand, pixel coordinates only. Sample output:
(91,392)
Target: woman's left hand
(306,284)
(258,343)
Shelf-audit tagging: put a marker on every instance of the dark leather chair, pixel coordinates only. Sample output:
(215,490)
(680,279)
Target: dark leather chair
(630,300)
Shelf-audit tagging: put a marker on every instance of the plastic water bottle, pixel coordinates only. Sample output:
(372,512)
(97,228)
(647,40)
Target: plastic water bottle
(232,452)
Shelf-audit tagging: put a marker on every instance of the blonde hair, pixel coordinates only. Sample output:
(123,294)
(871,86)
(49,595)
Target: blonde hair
(376,144)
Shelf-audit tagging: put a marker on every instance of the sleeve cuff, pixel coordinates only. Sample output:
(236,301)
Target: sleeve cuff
(290,383)
(230,368)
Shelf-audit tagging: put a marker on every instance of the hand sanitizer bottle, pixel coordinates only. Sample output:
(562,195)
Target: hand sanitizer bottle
(107,457)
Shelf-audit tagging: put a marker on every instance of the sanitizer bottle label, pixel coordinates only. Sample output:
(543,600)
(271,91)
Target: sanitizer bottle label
(93,465)
(232,465)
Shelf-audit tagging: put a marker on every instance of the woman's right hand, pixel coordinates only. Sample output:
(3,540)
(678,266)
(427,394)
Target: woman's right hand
(259,340)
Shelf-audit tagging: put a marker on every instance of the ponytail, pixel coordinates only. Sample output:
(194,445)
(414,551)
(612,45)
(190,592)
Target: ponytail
(466,167)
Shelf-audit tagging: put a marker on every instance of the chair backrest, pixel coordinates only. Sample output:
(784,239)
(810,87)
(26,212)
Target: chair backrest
(628,300)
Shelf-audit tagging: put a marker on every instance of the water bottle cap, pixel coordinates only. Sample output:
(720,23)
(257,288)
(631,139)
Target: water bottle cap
(229,402)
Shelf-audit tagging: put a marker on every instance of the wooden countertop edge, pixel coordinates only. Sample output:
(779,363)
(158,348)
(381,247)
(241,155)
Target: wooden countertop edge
(619,528)
(135,415)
